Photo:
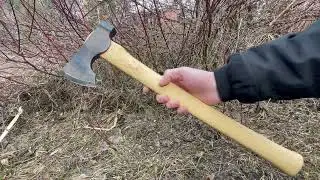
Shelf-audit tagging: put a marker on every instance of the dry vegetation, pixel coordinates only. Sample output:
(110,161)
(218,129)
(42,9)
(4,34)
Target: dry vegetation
(54,138)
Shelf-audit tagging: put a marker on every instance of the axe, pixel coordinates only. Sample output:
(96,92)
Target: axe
(99,44)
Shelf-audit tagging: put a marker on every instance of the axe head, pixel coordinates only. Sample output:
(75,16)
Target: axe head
(79,68)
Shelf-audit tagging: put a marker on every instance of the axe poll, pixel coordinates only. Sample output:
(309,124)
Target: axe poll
(99,44)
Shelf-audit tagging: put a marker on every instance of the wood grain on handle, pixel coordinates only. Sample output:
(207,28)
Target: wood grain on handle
(286,160)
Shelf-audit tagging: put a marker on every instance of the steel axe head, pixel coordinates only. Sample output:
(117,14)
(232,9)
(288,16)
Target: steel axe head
(79,68)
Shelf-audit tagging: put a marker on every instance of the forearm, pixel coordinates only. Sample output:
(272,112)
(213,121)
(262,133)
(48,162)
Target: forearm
(285,68)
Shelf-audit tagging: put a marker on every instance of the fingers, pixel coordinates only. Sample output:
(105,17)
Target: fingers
(167,102)
(162,99)
(182,110)
(171,75)
(171,104)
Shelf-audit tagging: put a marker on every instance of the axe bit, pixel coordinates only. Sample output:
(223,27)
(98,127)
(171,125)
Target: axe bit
(99,44)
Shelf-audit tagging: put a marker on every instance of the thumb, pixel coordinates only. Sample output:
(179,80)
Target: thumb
(171,75)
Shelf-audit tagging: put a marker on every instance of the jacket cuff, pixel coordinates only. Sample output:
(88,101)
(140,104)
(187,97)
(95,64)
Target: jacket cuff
(235,81)
(222,82)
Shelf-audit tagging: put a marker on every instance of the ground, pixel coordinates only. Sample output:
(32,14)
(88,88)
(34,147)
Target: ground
(140,139)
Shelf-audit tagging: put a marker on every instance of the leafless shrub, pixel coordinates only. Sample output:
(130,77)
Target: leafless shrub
(37,36)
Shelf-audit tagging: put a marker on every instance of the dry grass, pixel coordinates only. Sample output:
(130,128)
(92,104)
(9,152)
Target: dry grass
(52,140)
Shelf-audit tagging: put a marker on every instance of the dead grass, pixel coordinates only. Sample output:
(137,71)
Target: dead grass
(50,140)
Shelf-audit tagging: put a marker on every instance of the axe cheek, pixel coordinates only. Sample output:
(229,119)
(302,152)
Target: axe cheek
(78,70)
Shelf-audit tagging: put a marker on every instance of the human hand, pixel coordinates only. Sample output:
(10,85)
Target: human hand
(199,83)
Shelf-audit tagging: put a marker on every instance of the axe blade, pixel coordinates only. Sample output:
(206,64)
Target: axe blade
(79,69)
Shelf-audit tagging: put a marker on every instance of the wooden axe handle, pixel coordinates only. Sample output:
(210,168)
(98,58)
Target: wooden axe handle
(286,160)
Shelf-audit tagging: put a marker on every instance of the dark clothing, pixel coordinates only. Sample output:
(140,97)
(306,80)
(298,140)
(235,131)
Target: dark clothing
(285,68)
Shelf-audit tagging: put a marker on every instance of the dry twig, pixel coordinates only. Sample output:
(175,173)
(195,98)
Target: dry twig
(285,10)
(6,131)
(114,124)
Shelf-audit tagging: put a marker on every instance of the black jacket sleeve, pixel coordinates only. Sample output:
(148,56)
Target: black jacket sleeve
(282,69)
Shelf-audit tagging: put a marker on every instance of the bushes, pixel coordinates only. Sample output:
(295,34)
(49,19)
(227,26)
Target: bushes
(40,36)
